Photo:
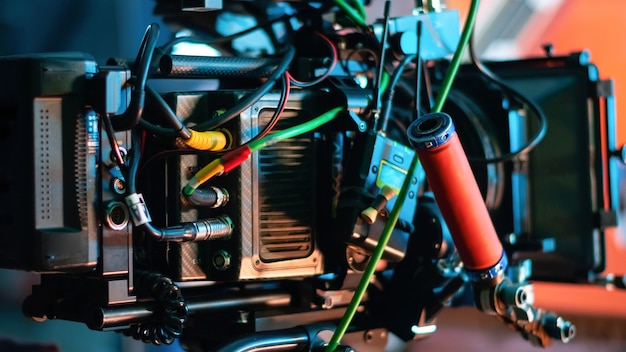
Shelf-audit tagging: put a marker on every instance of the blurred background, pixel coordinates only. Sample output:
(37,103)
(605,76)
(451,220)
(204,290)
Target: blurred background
(505,30)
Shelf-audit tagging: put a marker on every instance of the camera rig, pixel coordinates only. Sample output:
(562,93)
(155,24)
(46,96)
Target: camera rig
(350,182)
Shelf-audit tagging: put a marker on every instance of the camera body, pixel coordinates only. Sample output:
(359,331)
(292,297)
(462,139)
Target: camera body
(293,238)
(55,192)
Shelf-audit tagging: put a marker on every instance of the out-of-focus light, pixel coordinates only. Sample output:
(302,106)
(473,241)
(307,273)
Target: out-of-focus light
(423,330)
(192,48)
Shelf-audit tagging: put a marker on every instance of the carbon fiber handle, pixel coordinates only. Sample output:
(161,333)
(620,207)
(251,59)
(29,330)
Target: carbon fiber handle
(182,66)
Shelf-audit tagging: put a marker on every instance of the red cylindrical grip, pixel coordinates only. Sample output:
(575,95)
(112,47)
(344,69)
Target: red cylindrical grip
(457,194)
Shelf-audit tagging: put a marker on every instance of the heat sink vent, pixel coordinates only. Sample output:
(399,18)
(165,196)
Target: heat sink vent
(80,170)
(286,200)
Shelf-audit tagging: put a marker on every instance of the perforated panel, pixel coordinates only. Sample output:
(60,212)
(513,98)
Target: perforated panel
(48,159)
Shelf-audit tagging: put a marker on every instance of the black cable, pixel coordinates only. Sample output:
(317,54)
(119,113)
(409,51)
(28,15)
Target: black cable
(346,62)
(115,148)
(134,155)
(429,88)
(390,92)
(541,118)
(176,234)
(251,98)
(170,313)
(418,69)
(280,107)
(167,47)
(329,70)
(165,153)
(130,118)
(178,127)
(133,168)
(381,63)
(179,233)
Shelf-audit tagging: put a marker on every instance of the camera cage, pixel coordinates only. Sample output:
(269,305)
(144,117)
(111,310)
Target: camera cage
(99,269)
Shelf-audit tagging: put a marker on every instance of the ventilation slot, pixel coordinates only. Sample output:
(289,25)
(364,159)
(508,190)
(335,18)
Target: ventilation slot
(286,200)
(80,170)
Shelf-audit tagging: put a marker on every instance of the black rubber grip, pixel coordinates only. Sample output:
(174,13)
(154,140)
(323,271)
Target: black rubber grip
(183,66)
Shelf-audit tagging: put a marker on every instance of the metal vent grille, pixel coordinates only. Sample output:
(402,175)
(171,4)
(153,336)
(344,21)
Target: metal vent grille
(81,151)
(286,200)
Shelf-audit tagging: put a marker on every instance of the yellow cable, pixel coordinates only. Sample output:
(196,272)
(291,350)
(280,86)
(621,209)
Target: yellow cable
(207,140)
(214,168)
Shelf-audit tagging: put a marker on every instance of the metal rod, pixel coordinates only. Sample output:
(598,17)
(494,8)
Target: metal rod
(294,339)
(123,315)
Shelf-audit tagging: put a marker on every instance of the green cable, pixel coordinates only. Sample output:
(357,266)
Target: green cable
(352,13)
(342,327)
(384,82)
(371,266)
(360,7)
(295,130)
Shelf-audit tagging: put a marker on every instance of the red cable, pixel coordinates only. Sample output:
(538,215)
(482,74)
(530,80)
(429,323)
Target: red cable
(335,58)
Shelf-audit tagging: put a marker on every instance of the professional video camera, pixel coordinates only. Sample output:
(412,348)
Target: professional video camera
(339,182)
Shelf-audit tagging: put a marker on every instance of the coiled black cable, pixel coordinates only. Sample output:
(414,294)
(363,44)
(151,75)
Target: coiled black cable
(170,313)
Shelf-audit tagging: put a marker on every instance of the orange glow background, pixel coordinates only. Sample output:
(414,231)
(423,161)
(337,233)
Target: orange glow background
(600,28)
